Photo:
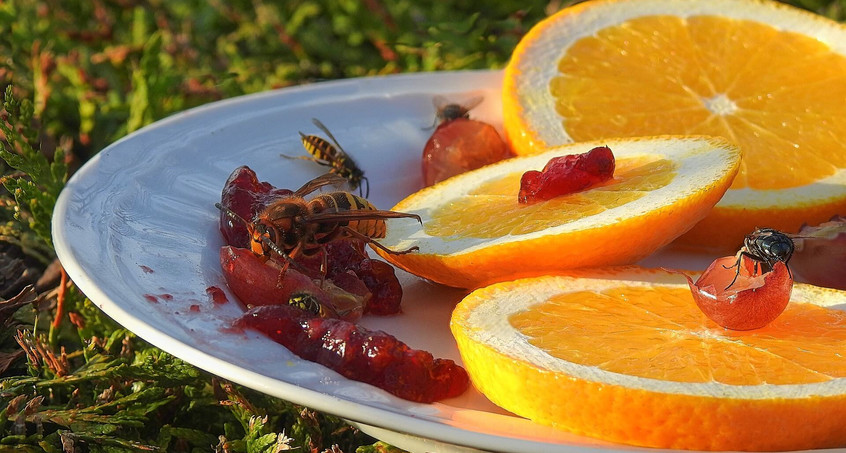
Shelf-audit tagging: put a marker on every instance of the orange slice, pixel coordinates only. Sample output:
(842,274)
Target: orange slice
(626,356)
(769,77)
(475,232)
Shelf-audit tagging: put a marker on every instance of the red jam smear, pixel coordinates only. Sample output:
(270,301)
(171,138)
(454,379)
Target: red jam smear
(217,295)
(360,354)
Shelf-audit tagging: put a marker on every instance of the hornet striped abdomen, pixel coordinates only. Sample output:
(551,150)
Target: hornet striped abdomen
(344,202)
(294,226)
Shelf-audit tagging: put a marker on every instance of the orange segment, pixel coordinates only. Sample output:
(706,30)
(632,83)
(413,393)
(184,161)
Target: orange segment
(474,231)
(693,90)
(766,76)
(635,326)
(495,202)
(626,356)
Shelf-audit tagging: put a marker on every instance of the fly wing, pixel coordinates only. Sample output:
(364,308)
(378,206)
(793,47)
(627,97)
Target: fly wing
(439,102)
(472,102)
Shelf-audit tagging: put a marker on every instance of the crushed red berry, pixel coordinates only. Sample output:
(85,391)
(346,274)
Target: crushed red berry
(356,353)
(384,286)
(256,282)
(567,174)
(244,195)
(348,256)
(217,295)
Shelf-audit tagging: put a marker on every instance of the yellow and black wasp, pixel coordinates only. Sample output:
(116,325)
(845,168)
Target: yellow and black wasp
(332,155)
(294,226)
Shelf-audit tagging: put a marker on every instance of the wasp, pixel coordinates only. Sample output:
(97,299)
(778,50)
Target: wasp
(294,226)
(332,155)
(765,246)
(308,303)
(448,111)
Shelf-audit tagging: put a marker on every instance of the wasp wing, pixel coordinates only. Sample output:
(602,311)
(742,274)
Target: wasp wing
(325,130)
(368,214)
(326,179)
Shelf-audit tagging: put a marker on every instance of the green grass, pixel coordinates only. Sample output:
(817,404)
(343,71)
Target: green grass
(78,75)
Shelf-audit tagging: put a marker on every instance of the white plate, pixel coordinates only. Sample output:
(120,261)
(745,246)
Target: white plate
(137,230)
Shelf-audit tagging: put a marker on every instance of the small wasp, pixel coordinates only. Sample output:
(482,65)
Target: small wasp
(332,155)
(293,226)
(448,111)
(765,246)
(307,302)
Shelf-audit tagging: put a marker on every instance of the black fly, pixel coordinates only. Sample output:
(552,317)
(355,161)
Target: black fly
(449,111)
(765,246)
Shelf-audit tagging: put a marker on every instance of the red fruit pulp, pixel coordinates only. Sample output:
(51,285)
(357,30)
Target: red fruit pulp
(374,357)
(754,300)
(348,256)
(458,146)
(348,266)
(257,282)
(244,195)
(567,174)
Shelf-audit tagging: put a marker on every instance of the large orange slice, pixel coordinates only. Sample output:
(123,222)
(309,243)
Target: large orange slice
(474,231)
(625,355)
(769,77)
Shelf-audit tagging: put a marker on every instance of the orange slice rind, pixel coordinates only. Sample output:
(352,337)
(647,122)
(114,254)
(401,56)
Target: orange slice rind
(624,354)
(474,231)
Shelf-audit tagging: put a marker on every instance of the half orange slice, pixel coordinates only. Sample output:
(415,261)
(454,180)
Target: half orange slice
(769,77)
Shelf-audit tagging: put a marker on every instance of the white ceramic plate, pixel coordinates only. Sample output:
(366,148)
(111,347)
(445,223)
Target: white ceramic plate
(137,230)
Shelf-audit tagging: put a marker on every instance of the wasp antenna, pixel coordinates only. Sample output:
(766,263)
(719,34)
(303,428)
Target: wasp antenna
(275,249)
(230,213)
(366,183)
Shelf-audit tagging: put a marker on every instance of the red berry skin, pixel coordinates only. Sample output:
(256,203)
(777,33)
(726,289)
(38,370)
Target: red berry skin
(567,174)
(373,357)
(345,256)
(257,282)
(246,196)
(376,284)
(385,288)
(754,300)
(458,146)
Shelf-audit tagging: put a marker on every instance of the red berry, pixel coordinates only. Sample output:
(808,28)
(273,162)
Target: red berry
(384,287)
(747,300)
(244,195)
(461,145)
(567,174)
(345,256)
(350,283)
(356,353)
(258,282)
